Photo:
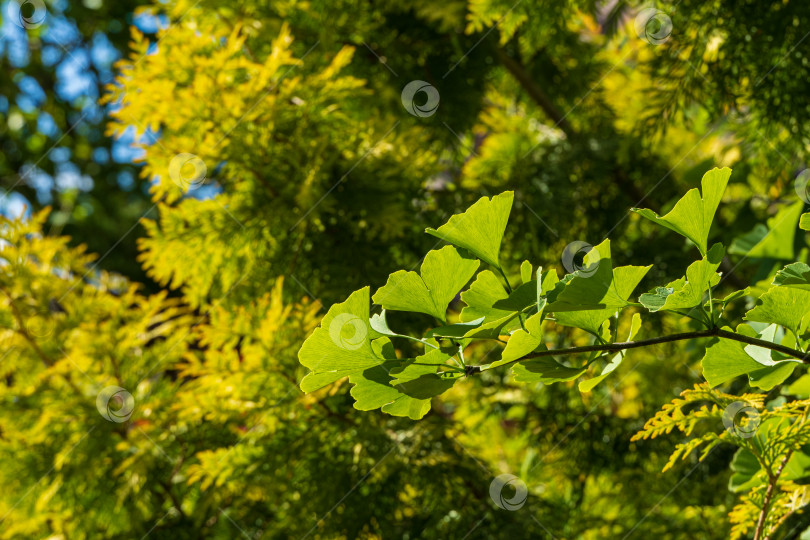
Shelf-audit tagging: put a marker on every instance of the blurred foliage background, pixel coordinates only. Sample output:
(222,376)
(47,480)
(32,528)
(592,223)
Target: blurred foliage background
(318,182)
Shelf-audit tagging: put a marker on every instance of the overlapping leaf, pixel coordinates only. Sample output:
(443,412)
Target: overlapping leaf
(786,306)
(341,345)
(400,387)
(687,292)
(794,275)
(587,300)
(545,370)
(774,240)
(726,359)
(442,275)
(590,384)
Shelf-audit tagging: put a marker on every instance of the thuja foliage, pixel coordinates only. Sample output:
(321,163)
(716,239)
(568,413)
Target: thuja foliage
(765,345)
(215,440)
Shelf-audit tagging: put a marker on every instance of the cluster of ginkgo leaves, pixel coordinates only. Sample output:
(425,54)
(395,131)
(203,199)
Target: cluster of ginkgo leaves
(765,347)
(351,342)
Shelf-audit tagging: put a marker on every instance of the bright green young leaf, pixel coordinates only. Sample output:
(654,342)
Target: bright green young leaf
(341,345)
(804,222)
(480,229)
(692,216)
(786,306)
(794,275)
(731,297)
(590,384)
(494,329)
(443,274)
(481,297)
(774,241)
(487,298)
(687,292)
(545,370)
(726,359)
(400,388)
(379,323)
(587,300)
(522,342)
(603,288)
(525,272)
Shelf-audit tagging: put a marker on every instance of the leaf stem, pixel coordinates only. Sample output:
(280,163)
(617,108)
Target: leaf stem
(708,333)
(508,286)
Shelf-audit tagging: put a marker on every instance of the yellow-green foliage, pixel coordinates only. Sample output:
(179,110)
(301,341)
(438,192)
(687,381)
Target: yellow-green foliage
(270,128)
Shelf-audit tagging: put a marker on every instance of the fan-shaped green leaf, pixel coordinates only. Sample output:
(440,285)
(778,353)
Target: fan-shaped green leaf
(786,306)
(794,275)
(401,387)
(341,345)
(692,216)
(443,274)
(480,229)
(602,288)
(522,342)
(773,241)
(688,291)
(726,359)
(545,370)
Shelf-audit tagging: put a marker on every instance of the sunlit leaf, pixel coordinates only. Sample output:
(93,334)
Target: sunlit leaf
(693,214)
(545,370)
(480,229)
(442,275)
(687,292)
(341,345)
(787,306)
(773,241)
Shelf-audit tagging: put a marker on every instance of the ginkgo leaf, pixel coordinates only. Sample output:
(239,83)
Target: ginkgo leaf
(731,297)
(482,296)
(480,229)
(525,272)
(794,275)
(693,214)
(426,364)
(688,291)
(400,387)
(496,328)
(457,330)
(604,288)
(726,359)
(443,274)
(587,386)
(487,298)
(522,342)
(379,323)
(774,240)
(787,306)
(545,370)
(341,345)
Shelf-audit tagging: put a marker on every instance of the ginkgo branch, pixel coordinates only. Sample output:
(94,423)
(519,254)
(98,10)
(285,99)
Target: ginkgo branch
(709,333)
